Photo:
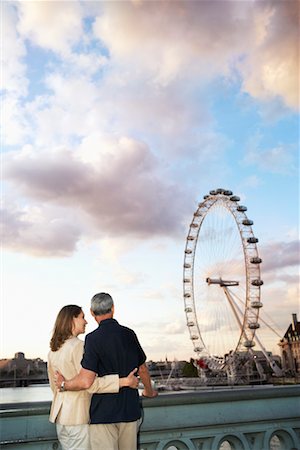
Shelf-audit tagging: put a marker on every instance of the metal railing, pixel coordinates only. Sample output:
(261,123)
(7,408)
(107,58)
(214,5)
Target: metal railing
(247,418)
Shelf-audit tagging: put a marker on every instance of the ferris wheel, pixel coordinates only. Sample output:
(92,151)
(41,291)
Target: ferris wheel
(221,278)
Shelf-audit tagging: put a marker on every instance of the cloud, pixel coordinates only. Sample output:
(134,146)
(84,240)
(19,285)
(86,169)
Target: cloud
(117,189)
(181,46)
(49,26)
(32,231)
(165,341)
(280,255)
(175,328)
(14,82)
(277,300)
(280,159)
(178,38)
(61,113)
(13,69)
(272,66)
(114,249)
(15,126)
(53,35)
(185,40)
(152,62)
(252,181)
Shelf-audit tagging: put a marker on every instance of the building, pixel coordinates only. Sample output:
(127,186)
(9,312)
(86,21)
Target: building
(20,371)
(290,348)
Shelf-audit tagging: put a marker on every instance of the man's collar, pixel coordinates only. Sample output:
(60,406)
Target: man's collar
(106,321)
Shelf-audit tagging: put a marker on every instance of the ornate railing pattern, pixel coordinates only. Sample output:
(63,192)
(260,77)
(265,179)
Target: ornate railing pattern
(249,418)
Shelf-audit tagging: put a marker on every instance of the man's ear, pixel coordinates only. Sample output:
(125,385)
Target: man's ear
(92,312)
(113,309)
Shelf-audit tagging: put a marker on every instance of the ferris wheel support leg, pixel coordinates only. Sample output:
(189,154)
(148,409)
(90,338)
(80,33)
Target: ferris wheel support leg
(233,307)
(277,371)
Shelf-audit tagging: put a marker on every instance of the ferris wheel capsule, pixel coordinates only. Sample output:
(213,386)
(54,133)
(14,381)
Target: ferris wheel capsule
(198,349)
(252,240)
(247,222)
(255,260)
(257,282)
(256,304)
(254,325)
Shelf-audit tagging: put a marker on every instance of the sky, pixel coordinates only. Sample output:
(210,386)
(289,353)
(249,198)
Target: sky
(117,118)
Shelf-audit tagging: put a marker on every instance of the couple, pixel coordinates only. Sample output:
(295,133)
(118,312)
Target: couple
(106,368)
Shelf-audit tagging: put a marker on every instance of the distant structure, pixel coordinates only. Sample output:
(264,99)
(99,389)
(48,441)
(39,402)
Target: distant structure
(222,280)
(290,348)
(165,369)
(20,371)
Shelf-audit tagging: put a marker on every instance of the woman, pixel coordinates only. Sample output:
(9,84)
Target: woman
(70,410)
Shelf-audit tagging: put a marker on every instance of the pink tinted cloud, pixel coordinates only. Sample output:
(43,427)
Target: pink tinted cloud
(123,194)
(279,255)
(38,234)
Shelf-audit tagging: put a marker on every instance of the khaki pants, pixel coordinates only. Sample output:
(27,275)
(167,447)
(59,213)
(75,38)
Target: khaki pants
(73,437)
(114,436)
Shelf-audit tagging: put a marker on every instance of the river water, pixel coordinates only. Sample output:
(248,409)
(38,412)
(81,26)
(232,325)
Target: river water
(33,393)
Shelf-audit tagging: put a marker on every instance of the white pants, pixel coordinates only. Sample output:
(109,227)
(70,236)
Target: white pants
(73,437)
(114,436)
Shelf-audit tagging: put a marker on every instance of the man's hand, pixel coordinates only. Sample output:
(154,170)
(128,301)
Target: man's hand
(58,379)
(133,381)
(130,381)
(151,394)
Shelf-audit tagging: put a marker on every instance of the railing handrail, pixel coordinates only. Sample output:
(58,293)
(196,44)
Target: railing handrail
(174,398)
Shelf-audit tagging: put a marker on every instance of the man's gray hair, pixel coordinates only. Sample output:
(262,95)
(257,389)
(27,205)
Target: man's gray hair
(101,304)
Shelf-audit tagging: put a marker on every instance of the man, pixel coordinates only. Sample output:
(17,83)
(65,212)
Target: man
(111,349)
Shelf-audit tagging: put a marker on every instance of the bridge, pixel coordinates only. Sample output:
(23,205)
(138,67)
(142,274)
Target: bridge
(245,418)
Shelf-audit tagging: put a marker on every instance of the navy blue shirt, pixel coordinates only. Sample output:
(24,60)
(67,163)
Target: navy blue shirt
(113,349)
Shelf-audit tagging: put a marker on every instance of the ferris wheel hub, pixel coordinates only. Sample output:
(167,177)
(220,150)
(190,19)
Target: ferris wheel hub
(221,282)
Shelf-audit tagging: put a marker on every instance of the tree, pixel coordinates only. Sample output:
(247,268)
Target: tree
(189,370)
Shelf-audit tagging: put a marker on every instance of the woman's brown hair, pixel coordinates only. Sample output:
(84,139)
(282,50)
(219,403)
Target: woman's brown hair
(63,326)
